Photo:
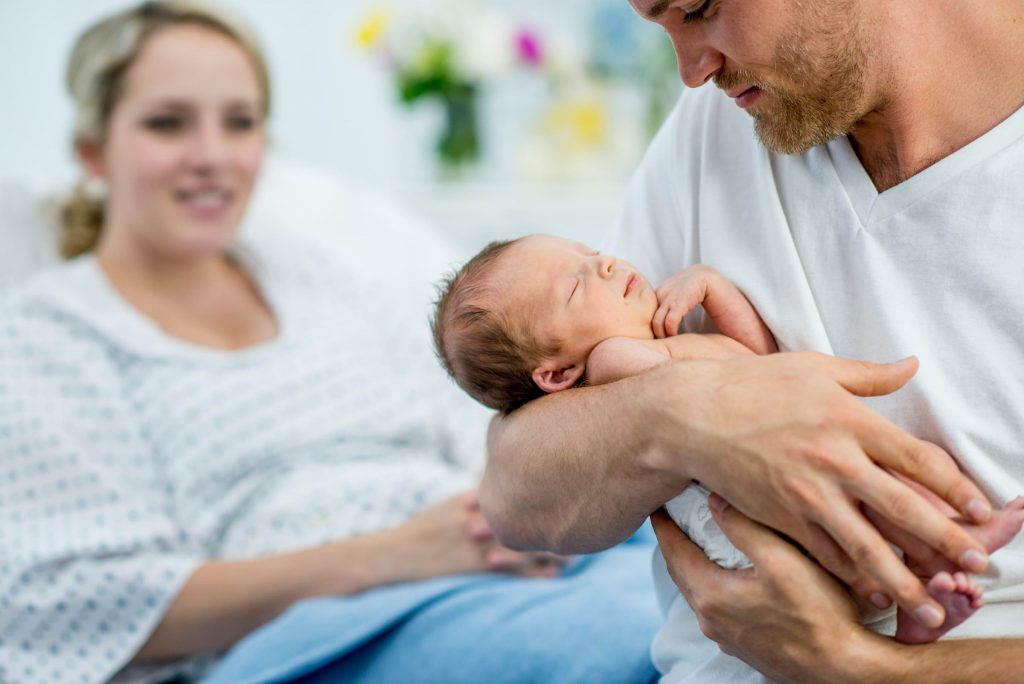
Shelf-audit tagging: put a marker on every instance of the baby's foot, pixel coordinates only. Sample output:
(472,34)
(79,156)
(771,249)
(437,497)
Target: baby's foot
(1003,526)
(957,593)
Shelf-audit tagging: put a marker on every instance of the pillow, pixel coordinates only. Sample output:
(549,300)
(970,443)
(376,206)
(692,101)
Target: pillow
(28,232)
(367,229)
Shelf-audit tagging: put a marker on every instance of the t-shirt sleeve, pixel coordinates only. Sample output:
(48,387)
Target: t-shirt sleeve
(90,556)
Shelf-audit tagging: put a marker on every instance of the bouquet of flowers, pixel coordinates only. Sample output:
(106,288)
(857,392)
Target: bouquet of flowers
(447,53)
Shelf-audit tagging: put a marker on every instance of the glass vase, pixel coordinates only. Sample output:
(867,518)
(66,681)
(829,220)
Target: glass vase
(458,146)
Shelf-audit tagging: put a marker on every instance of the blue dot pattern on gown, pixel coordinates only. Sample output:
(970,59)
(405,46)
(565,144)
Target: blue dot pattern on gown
(128,457)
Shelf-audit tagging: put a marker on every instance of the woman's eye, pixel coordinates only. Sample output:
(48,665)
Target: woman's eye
(242,123)
(164,124)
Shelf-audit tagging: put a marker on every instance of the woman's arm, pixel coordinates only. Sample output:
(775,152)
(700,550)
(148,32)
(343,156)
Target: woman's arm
(782,436)
(791,621)
(225,600)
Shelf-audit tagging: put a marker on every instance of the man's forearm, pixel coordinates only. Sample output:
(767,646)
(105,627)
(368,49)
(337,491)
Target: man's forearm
(578,471)
(953,661)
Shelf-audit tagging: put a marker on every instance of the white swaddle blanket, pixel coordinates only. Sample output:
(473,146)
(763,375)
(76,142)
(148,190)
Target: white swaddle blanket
(690,511)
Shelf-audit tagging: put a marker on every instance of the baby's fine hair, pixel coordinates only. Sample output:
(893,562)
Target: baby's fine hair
(485,350)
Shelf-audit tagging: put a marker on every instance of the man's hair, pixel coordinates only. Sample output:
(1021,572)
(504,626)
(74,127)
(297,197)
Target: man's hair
(484,349)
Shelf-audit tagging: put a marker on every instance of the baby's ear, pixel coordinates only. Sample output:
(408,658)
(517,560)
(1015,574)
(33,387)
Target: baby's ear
(550,376)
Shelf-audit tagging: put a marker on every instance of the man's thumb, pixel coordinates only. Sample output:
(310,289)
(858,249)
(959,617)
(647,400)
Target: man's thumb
(867,379)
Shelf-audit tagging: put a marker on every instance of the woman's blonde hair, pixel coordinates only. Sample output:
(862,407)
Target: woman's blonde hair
(95,78)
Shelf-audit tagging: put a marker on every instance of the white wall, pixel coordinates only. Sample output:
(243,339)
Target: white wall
(334,106)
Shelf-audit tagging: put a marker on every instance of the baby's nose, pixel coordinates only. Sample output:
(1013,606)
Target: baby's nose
(604,265)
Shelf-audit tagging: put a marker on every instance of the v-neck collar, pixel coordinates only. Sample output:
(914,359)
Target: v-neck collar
(872,206)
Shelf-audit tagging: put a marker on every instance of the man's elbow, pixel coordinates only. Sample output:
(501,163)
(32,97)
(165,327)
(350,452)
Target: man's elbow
(510,526)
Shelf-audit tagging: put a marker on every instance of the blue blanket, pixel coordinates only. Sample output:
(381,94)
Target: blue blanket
(594,623)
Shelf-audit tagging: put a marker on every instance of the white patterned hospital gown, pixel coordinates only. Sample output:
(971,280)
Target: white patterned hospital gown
(128,457)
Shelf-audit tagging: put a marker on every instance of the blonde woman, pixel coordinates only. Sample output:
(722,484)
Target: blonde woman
(198,430)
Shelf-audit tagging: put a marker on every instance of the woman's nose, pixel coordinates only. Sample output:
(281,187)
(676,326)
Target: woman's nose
(209,146)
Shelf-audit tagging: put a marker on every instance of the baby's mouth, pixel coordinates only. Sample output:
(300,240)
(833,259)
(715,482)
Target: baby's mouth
(631,283)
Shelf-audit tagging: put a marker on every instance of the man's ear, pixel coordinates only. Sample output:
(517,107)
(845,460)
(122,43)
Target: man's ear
(551,376)
(90,153)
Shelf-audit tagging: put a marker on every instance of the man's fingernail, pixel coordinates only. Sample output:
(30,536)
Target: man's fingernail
(978,510)
(974,561)
(929,616)
(717,503)
(880,600)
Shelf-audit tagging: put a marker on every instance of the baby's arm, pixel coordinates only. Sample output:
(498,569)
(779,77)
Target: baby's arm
(622,357)
(734,315)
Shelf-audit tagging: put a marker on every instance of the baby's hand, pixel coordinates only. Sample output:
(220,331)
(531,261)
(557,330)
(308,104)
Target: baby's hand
(678,296)
(723,302)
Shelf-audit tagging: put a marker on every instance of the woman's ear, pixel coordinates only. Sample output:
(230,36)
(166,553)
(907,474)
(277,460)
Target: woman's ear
(551,376)
(90,154)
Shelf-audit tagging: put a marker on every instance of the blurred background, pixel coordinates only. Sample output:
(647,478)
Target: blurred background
(491,118)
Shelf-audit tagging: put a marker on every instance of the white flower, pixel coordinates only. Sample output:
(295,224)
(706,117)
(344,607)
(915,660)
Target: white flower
(485,46)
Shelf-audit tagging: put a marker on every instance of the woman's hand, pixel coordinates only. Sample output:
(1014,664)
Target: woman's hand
(452,538)
(785,617)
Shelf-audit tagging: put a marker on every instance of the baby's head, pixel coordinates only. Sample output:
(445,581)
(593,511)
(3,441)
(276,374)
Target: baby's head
(521,317)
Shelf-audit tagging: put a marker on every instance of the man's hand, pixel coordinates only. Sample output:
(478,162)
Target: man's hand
(785,616)
(785,441)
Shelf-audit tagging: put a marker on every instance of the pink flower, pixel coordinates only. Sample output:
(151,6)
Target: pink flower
(528,47)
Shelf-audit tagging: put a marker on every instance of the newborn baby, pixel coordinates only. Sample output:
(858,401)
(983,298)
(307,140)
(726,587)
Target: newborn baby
(543,314)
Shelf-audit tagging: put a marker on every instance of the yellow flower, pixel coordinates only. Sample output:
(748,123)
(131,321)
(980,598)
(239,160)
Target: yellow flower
(580,125)
(370,31)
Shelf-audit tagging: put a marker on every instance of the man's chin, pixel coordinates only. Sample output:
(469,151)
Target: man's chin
(792,138)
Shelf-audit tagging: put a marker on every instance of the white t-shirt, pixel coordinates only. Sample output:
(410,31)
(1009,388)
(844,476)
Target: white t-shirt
(931,267)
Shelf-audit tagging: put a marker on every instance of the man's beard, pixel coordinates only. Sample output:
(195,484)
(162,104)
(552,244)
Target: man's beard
(824,59)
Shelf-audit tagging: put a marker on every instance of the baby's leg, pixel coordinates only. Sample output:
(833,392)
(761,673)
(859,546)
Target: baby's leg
(957,593)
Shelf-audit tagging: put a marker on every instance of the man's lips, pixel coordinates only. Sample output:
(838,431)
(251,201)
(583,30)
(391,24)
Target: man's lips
(736,92)
(745,97)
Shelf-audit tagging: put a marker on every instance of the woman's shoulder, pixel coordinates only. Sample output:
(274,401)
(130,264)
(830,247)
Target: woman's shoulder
(54,307)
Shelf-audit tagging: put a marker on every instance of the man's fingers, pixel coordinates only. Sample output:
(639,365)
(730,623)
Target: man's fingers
(750,537)
(867,379)
(905,508)
(866,547)
(684,559)
(891,447)
(925,464)
(912,547)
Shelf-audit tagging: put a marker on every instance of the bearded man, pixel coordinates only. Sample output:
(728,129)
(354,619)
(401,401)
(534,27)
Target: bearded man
(859,173)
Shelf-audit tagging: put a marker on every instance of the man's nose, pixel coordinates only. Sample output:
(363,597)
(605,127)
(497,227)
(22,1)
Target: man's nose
(698,61)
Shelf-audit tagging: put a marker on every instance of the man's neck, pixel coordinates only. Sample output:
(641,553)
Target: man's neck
(952,71)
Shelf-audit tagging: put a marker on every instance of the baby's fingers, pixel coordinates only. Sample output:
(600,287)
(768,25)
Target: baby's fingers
(673,319)
(658,322)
